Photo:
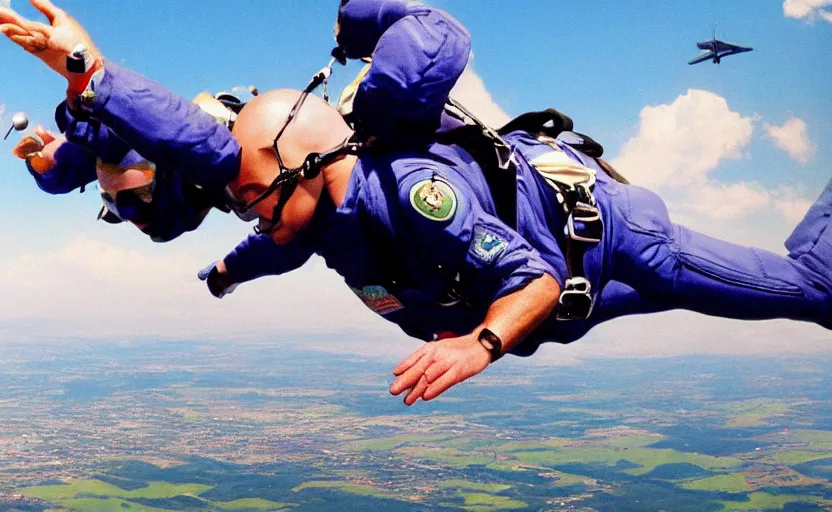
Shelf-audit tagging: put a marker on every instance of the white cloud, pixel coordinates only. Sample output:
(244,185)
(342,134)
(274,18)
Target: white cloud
(471,92)
(808,10)
(793,138)
(792,204)
(721,201)
(679,144)
(677,148)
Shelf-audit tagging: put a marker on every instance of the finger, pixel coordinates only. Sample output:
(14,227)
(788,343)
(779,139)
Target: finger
(10,16)
(437,369)
(28,43)
(10,29)
(47,9)
(409,378)
(408,361)
(416,391)
(441,385)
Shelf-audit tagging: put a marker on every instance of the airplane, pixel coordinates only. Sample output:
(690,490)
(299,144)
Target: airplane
(716,49)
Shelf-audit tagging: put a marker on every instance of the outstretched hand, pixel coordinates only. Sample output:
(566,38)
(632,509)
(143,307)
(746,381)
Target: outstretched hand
(436,366)
(50,43)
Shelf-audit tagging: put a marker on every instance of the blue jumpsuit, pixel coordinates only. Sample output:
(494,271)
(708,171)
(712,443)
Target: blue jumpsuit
(440,272)
(100,134)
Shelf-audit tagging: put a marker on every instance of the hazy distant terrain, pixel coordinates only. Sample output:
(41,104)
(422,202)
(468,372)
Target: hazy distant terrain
(194,426)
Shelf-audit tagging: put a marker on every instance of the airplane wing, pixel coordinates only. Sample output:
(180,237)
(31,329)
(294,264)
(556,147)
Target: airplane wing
(705,45)
(730,48)
(702,57)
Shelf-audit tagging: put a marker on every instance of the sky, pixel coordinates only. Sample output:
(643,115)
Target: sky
(738,150)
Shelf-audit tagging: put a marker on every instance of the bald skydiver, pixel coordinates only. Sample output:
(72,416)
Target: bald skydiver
(414,228)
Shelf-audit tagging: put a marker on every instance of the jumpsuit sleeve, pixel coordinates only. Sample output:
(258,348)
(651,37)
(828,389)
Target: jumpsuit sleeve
(418,53)
(259,256)
(447,228)
(158,124)
(74,167)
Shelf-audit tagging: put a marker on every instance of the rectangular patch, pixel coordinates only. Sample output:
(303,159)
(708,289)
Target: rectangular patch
(486,245)
(378,299)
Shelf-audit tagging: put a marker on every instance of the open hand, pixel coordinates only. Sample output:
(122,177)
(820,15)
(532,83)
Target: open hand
(436,366)
(50,43)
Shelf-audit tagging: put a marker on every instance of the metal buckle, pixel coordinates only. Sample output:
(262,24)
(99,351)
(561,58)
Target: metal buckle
(575,302)
(592,228)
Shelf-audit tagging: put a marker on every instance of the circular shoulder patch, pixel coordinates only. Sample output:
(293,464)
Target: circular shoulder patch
(433,199)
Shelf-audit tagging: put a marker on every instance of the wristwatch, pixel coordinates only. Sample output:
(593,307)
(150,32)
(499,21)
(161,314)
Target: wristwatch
(492,343)
(80,61)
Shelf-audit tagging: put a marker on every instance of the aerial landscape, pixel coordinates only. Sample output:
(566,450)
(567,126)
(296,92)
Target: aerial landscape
(156,426)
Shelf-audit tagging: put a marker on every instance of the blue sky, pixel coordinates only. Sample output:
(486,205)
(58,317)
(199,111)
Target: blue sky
(760,121)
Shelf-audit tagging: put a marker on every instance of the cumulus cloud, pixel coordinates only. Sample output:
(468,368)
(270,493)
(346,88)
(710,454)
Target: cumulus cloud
(793,138)
(680,144)
(808,10)
(722,201)
(471,92)
(791,204)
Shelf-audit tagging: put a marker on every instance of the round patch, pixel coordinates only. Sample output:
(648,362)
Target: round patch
(434,199)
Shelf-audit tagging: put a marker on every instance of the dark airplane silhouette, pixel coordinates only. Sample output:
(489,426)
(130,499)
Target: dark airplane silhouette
(716,49)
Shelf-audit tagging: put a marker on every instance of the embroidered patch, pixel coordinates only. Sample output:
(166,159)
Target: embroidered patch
(378,299)
(433,199)
(485,245)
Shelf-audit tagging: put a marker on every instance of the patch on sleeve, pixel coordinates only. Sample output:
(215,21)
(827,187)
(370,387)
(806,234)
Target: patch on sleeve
(486,245)
(378,299)
(433,199)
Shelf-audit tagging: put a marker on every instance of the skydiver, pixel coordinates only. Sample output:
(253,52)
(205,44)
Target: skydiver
(413,227)
(164,196)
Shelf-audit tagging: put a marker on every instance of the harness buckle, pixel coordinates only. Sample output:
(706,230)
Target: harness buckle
(584,224)
(575,302)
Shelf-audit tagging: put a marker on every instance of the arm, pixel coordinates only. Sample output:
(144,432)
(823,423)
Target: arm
(159,125)
(495,265)
(254,257)
(418,54)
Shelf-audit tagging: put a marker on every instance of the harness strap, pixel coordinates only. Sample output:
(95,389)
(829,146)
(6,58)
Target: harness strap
(573,184)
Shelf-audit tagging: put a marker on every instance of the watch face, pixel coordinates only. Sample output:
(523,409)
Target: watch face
(487,344)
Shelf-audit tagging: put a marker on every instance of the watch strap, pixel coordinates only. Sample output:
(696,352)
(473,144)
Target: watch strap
(492,343)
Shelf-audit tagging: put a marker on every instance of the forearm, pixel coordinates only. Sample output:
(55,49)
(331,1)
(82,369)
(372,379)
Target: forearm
(516,315)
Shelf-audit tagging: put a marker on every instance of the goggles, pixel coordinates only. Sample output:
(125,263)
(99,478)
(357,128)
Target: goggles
(134,204)
(287,178)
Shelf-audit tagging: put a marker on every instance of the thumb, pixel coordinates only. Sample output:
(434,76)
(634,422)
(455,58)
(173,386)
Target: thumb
(205,272)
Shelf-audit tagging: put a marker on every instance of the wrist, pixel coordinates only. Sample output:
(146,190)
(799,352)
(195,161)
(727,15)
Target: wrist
(79,84)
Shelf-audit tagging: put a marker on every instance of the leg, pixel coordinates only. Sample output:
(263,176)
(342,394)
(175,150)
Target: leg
(676,266)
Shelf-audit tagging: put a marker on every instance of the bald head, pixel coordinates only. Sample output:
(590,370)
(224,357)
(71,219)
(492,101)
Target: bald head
(316,128)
